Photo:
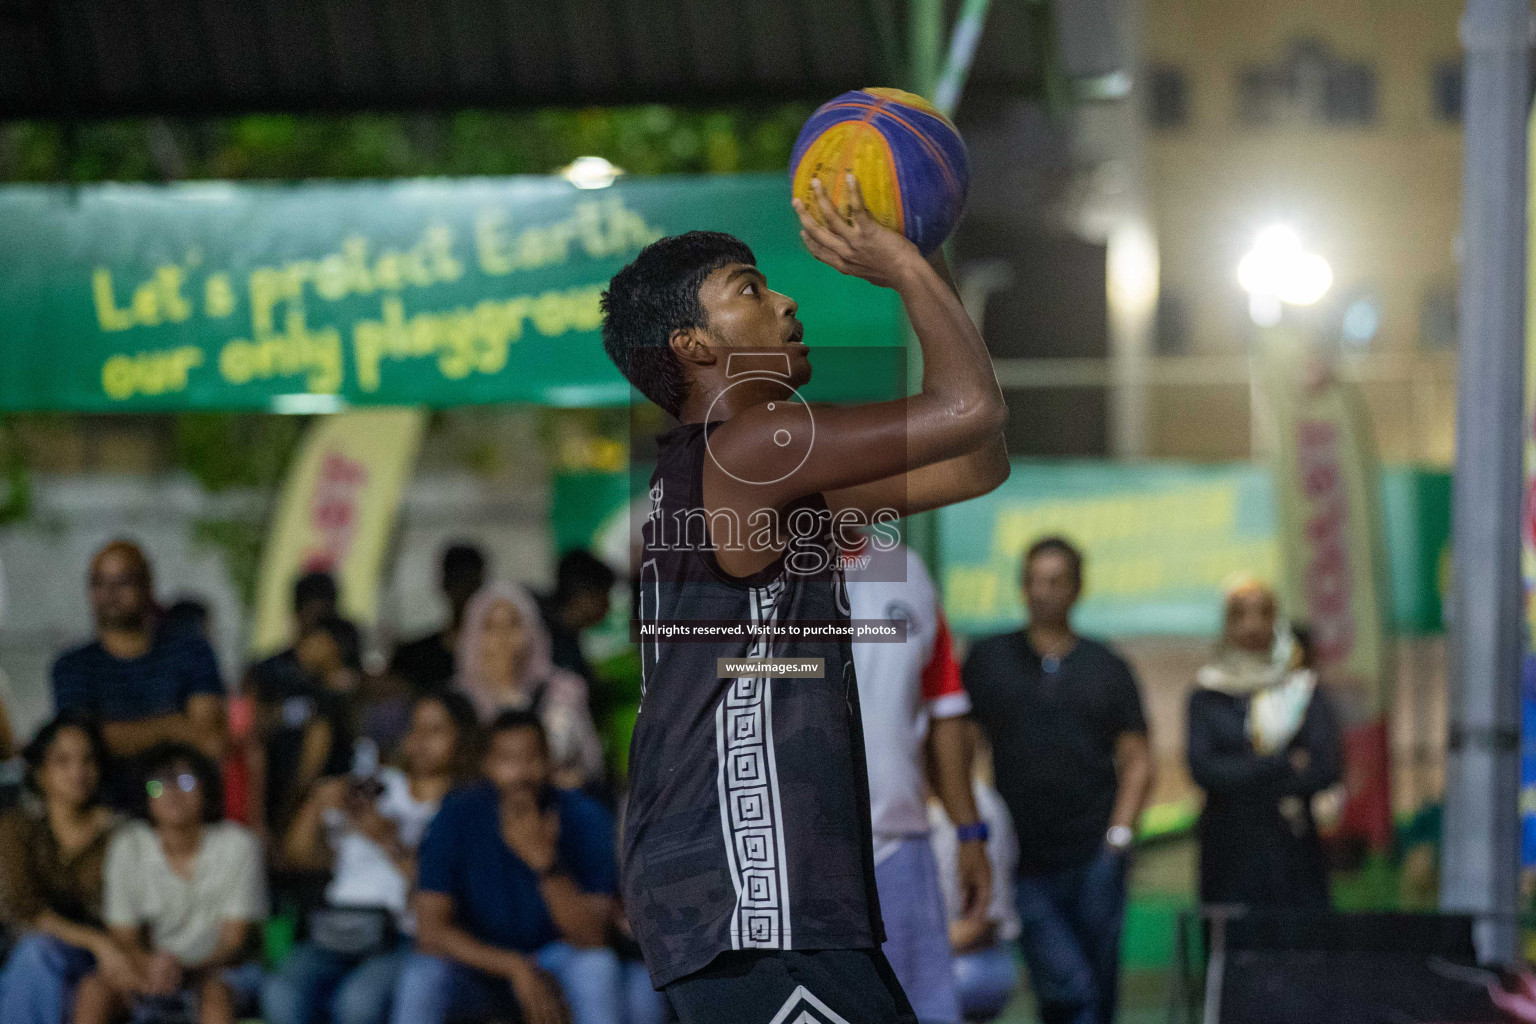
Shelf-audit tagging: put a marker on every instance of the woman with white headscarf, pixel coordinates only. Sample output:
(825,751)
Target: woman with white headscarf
(504,663)
(1263,742)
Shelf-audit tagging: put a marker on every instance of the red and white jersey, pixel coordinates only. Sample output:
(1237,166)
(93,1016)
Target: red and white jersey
(901,687)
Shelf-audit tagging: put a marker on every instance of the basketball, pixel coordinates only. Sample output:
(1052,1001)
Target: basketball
(908,158)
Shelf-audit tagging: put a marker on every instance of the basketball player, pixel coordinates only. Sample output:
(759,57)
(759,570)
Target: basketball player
(748,874)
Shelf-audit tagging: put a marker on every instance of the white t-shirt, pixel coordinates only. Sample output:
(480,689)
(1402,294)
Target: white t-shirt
(1002,851)
(184,915)
(901,687)
(363,875)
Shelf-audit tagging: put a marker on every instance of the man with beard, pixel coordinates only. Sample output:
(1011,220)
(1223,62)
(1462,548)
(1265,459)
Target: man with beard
(146,686)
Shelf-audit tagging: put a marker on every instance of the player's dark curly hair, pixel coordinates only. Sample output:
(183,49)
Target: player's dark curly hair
(655,295)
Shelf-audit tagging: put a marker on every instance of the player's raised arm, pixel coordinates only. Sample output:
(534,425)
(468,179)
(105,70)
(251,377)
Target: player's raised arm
(958,411)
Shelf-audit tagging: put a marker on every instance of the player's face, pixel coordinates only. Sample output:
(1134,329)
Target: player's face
(743,312)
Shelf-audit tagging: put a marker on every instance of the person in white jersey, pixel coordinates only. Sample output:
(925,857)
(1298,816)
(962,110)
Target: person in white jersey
(913,705)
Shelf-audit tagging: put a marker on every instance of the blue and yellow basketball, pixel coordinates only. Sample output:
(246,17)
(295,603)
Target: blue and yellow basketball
(908,158)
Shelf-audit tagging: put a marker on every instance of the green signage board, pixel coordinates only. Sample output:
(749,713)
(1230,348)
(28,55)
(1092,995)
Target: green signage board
(122,298)
(1161,541)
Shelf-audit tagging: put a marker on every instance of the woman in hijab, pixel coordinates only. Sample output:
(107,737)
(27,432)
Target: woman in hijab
(504,662)
(1262,743)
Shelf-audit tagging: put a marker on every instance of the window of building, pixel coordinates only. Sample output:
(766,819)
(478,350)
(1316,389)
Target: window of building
(1258,96)
(1170,325)
(1446,91)
(1349,95)
(1437,319)
(1310,84)
(1167,97)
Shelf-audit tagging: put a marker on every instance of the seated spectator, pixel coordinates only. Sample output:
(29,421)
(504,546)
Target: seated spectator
(366,831)
(504,663)
(581,600)
(188,613)
(427,663)
(184,892)
(304,710)
(145,685)
(514,895)
(986,948)
(51,853)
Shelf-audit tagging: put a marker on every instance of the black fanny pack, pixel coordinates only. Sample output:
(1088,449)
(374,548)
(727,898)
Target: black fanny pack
(352,931)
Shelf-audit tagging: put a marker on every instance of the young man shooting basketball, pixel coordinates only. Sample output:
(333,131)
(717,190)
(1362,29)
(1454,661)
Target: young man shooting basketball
(748,875)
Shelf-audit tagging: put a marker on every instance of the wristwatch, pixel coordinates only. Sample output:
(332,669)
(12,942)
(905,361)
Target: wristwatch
(1119,837)
(974,832)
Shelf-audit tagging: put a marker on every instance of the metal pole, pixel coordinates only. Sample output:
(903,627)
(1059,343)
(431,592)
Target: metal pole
(962,51)
(1481,871)
(925,34)
(925,42)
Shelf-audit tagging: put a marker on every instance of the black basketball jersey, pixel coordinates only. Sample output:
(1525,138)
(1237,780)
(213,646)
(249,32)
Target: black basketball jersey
(747,823)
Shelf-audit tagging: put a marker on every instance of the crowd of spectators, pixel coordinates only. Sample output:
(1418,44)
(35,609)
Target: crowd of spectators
(440,836)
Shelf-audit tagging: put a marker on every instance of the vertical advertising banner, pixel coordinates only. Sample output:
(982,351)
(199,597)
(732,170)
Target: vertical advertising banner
(336,513)
(1332,564)
(1528,550)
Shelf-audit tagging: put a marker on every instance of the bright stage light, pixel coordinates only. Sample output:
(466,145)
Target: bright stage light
(590,172)
(1277,269)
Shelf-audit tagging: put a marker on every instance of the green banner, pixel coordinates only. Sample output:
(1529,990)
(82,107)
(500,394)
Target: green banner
(1159,541)
(308,297)
(1162,539)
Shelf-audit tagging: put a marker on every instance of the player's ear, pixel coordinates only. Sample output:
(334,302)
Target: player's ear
(691,345)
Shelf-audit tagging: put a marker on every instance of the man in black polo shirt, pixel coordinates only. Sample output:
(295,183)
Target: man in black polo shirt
(1069,743)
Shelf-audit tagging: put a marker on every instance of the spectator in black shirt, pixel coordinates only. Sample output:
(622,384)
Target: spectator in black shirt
(144,684)
(303,703)
(581,599)
(427,664)
(1072,762)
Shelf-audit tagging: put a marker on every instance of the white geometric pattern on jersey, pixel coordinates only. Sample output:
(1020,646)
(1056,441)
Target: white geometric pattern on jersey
(750,812)
(811,1010)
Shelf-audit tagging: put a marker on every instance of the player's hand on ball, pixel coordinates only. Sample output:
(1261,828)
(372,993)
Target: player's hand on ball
(853,243)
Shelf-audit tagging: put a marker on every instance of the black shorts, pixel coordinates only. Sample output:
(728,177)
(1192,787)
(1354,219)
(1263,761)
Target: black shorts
(828,986)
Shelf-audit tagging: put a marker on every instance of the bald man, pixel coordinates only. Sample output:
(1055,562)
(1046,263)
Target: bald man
(145,685)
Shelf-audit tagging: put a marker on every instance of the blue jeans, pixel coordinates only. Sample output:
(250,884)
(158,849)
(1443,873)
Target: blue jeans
(987,980)
(642,1003)
(38,982)
(314,985)
(1071,938)
(434,990)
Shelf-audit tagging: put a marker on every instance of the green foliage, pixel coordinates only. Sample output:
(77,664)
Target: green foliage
(15,476)
(642,140)
(225,450)
(239,542)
